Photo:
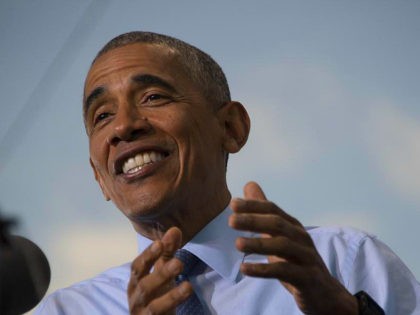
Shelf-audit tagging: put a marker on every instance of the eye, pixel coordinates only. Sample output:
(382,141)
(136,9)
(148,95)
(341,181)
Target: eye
(100,117)
(155,99)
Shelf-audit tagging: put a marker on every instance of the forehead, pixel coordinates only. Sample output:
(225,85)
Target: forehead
(123,62)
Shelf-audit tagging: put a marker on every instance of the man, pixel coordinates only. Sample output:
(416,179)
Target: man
(161,124)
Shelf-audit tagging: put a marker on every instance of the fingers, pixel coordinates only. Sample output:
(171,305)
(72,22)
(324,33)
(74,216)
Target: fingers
(170,300)
(143,263)
(271,224)
(279,246)
(151,289)
(256,202)
(164,303)
(289,273)
(282,238)
(172,241)
(260,207)
(292,256)
(159,285)
(253,191)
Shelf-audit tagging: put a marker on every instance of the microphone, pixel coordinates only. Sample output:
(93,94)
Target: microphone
(24,272)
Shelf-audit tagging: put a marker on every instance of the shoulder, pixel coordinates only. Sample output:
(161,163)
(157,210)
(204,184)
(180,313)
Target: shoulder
(355,247)
(339,238)
(343,233)
(340,247)
(116,277)
(107,291)
(360,261)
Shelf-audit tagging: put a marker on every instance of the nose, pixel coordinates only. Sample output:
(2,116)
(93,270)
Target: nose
(128,125)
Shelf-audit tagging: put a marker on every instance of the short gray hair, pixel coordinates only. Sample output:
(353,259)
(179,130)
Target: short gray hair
(200,66)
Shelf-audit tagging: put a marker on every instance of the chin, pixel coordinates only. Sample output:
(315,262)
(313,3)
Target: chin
(148,210)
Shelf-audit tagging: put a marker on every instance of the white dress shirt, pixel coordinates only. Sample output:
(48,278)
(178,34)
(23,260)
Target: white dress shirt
(358,260)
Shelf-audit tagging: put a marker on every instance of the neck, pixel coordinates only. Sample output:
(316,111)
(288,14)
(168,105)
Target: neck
(190,216)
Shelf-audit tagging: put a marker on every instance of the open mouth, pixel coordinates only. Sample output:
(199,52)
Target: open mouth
(140,160)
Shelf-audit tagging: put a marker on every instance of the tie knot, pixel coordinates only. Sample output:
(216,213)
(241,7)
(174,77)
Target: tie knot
(188,259)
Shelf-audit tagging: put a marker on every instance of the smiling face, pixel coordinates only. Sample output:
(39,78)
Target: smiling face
(157,146)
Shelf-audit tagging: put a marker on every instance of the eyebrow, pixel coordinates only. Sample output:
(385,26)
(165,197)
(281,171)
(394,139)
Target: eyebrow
(143,79)
(96,93)
(149,79)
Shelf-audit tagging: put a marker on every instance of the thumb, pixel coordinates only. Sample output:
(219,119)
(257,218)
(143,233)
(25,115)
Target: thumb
(253,191)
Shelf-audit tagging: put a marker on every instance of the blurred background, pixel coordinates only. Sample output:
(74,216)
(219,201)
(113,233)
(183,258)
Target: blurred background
(332,88)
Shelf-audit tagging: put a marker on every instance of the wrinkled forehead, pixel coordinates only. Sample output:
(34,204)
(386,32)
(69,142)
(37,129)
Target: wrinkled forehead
(150,57)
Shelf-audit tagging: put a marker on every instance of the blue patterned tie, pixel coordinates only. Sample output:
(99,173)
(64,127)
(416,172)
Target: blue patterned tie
(192,306)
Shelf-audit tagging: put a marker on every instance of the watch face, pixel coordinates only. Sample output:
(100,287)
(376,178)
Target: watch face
(367,306)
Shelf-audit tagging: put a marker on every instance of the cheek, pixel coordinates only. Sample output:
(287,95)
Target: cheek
(196,134)
(178,125)
(199,138)
(98,151)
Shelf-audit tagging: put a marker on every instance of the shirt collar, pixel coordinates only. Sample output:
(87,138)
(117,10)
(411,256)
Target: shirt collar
(214,245)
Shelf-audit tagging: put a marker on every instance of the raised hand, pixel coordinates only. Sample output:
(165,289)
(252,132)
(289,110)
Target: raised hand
(153,291)
(291,254)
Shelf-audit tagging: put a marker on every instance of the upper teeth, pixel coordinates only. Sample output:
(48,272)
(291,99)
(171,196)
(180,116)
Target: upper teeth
(136,163)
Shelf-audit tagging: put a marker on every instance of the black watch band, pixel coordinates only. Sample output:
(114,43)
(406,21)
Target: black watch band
(367,306)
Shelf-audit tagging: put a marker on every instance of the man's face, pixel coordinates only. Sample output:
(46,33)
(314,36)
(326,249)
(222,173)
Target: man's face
(155,142)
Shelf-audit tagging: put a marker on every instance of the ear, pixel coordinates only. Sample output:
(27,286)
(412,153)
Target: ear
(99,180)
(235,120)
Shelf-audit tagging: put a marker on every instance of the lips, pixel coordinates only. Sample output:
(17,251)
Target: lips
(134,160)
(136,163)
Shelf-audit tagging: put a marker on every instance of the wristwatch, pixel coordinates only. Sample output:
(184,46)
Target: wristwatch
(367,306)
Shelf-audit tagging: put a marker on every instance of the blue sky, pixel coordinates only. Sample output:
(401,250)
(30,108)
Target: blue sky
(331,87)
